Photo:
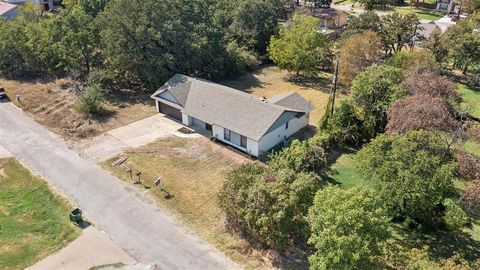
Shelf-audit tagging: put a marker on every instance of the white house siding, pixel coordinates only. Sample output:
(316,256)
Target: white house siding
(252,146)
(167,96)
(277,135)
(198,123)
(186,119)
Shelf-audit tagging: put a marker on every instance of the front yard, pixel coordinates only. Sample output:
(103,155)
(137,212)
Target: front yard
(192,171)
(52,104)
(33,221)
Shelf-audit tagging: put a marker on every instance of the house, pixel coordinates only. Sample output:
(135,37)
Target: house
(8,11)
(244,121)
(330,18)
(43,4)
(448,6)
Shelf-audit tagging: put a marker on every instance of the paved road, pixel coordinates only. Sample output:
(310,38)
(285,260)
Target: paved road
(131,221)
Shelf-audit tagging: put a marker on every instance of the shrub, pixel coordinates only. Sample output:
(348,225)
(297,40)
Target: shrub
(344,125)
(91,102)
(303,156)
(349,228)
(268,207)
(455,218)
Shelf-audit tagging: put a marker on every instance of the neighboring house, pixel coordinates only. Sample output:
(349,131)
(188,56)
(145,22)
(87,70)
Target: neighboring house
(247,122)
(8,11)
(330,18)
(427,29)
(44,4)
(448,6)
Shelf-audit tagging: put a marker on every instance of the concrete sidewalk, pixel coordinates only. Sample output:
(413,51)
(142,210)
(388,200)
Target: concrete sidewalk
(92,248)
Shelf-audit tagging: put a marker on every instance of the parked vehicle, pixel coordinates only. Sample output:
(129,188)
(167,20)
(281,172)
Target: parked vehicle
(2,92)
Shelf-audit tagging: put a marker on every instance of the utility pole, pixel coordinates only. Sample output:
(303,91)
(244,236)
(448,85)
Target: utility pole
(334,89)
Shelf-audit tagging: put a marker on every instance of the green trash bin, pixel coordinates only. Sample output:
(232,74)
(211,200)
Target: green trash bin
(76,215)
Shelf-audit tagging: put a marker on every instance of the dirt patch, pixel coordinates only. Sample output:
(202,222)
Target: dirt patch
(52,104)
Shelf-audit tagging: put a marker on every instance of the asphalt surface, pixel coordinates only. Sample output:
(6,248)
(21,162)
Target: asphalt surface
(133,222)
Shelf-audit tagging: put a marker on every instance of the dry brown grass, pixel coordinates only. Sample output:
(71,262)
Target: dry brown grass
(52,105)
(193,172)
(271,81)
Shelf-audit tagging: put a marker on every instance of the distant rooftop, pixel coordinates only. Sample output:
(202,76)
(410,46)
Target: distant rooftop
(6,7)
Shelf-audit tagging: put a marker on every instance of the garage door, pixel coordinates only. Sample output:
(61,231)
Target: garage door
(171,111)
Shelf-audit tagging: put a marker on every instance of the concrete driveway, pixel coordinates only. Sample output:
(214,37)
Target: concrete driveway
(135,134)
(131,221)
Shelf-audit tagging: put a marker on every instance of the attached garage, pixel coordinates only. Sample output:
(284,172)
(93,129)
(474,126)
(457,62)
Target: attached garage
(170,111)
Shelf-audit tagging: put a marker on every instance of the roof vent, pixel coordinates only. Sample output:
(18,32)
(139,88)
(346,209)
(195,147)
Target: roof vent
(263,99)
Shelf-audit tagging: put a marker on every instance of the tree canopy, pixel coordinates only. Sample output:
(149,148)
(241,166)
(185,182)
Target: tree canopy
(349,228)
(301,47)
(414,174)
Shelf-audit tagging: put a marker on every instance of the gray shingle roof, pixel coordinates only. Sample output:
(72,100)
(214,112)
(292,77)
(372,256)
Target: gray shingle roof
(238,111)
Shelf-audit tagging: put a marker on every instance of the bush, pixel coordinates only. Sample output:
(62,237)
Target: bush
(455,218)
(468,165)
(268,207)
(348,226)
(303,156)
(91,102)
(344,125)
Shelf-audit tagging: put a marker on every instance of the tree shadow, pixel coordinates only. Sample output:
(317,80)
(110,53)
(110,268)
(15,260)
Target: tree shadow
(246,82)
(442,244)
(319,83)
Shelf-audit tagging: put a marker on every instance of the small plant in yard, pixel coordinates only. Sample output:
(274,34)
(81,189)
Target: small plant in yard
(91,102)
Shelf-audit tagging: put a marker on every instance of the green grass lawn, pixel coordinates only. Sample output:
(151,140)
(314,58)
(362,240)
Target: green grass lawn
(422,13)
(33,221)
(343,169)
(471,99)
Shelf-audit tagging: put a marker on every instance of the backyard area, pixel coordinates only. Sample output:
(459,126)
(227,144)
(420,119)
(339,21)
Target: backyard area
(192,172)
(271,81)
(33,221)
(471,99)
(52,104)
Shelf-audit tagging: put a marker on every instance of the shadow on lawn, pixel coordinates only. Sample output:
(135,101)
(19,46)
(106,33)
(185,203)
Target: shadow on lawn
(442,244)
(314,82)
(245,82)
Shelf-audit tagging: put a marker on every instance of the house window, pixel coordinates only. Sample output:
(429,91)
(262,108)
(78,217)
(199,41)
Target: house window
(286,125)
(226,134)
(243,141)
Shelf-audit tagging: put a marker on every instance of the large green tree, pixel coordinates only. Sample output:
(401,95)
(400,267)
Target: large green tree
(301,47)
(348,226)
(373,91)
(413,173)
(163,38)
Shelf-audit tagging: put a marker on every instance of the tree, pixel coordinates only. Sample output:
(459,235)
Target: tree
(250,23)
(164,38)
(413,173)
(349,227)
(372,4)
(366,21)
(268,207)
(301,47)
(466,51)
(436,45)
(373,91)
(322,3)
(357,53)
(421,112)
(76,41)
(468,165)
(432,85)
(398,31)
